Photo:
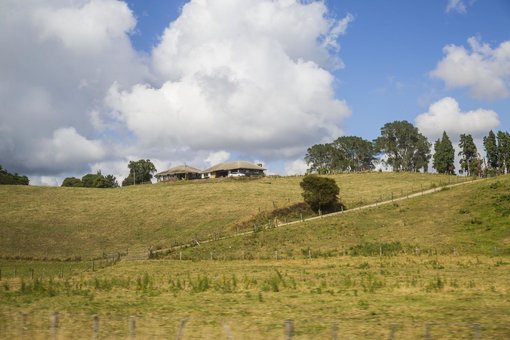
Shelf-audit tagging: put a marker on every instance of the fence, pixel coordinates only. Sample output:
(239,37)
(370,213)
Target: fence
(59,325)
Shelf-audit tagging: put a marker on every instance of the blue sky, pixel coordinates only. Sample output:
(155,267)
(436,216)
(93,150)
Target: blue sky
(89,85)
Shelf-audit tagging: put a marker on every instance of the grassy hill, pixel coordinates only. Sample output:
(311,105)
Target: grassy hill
(67,222)
(468,219)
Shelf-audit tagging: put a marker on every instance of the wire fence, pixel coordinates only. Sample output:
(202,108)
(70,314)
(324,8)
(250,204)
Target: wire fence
(65,325)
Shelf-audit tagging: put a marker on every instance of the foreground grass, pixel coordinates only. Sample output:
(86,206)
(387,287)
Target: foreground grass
(363,296)
(67,223)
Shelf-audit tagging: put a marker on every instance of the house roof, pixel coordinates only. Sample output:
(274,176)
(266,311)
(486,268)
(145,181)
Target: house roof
(180,169)
(233,166)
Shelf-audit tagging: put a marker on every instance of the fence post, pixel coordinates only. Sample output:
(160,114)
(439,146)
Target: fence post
(428,334)
(289,329)
(180,331)
(132,327)
(477,333)
(95,326)
(24,324)
(54,325)
(334,331)
(228,331)
(393,331)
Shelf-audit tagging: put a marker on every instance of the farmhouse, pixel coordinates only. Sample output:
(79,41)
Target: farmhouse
(179,172)
(234,169)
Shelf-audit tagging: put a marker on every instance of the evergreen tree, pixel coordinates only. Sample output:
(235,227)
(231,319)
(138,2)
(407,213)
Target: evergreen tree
(469,161)
(491,150)
(503,151)
(444,157)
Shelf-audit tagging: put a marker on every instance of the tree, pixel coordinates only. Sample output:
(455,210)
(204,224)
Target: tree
(72,182)
(357,154)
(444,156)
(491,150)
(405,147)
(503,151)
(321,193)
(322,158)
(469,162)
(140,172)
(99,181)
(13,179)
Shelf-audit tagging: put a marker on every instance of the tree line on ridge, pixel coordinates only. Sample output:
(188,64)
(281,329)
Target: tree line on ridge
(404,148)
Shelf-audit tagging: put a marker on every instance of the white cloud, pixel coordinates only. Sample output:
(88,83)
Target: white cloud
(59,58)
(457,6)
(245,77)
(217,157)
(484,70)
(66,148)
(446,115)
(296,167)
(87,27)
(251,78)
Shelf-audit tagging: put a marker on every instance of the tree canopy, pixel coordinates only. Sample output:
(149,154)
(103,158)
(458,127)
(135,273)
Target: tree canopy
(96,180)
(406,149)
(321,193)
(9,178)
(444,155)
(140,172)
(346,153)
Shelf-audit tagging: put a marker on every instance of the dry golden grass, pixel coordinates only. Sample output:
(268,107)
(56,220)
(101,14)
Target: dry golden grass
(68,222)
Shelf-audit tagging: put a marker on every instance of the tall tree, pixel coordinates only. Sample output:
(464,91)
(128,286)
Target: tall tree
(357,154)
(444,156)
(322,158)
(406,149)
(503,151)
(469,161)
(140,172)
(491,150)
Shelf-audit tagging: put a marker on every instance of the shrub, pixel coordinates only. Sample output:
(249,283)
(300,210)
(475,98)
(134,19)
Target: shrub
(321,193)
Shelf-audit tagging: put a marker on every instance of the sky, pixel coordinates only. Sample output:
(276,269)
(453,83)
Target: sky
(88,85)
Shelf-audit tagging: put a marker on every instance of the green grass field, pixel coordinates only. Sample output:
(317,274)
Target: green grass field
(434,266)
(363,295)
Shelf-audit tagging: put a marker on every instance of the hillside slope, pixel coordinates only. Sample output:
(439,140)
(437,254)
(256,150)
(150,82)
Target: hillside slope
(468,219)
(67,222)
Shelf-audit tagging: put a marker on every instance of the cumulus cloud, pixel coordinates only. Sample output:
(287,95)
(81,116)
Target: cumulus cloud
(65,149)
(252,79)
(295,167)
(217,157)
(59,58)
(446,115)
(457,6)
(245,77)
(483,70)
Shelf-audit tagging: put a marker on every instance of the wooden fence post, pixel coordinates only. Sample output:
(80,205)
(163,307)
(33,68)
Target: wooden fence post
(477,333)
(180,331)
(95,326)
(228,331)
(54,325)
(393,331)
(24,324)
(334,331)
(289,329)
(132,327)
(428,334)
